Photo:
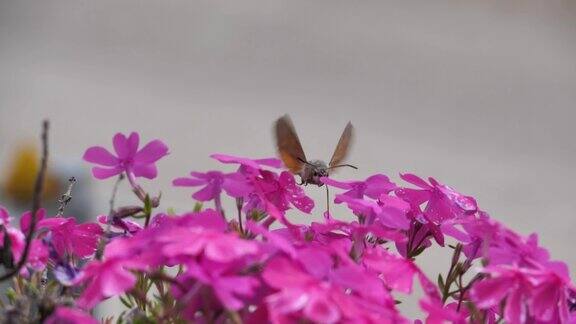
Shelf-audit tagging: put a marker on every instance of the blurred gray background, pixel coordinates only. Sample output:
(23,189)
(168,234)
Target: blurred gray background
(478,93)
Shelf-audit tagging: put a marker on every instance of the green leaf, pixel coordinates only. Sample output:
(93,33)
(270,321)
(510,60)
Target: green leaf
(257,215)
(143,319)
(440,282)
(11,295)
(126,303)
(147,205)
(120,318)
(418,251)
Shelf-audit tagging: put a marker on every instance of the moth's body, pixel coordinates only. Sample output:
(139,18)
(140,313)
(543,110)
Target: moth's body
(312,172)
(292,154)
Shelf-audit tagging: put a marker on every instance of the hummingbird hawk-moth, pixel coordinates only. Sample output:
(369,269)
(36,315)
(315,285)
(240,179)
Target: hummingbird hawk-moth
(293,156)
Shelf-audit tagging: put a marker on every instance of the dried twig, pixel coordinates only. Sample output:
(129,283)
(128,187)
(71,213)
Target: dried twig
(102,244)
(36,203)
(114,193)
(66,197)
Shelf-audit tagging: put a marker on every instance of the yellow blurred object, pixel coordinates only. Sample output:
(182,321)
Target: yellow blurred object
(21,176)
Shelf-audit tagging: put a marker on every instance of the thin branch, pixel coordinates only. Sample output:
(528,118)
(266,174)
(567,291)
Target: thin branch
(66,198)
(102,243)
(114,193)
(239,202)
(36,203)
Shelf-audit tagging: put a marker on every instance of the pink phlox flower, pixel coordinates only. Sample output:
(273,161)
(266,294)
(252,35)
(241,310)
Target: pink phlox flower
(26,219)
(138,252)
(364,283)
(248,166)
(302,295)
(104,279)
(398,272)
(440,314)
(487,238)
(125,225)
(113,275)
(281,191)
(529,294)
(67,237)
(231,289)
(215,246)
(67,315)
(481,232)
(294,193)
(511,248)
(304,237)
(298,292)
(550,298)
(17,241)
(504,283)
(275,240)
(442,201)
(342,236)
(454,228)
(419,237)
(389,211)
(38,255)
(203,234)
(373,186)
(135,162)
(274,194)
(355,230)
(206,219)
(214,182)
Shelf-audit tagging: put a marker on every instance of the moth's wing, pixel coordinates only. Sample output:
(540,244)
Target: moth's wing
(288,144)
(343,146)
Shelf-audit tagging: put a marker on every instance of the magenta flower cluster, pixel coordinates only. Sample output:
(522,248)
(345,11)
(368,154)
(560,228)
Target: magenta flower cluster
(256,265)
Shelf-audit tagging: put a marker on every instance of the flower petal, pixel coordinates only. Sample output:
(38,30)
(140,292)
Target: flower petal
(66,315)
(415,180)
(147,171)
(320,310)
(132,144)
(236,187)
(207,193)
(152,152)
(271,162)
(104,173)
(228,159)
(26,219)
(337,184)
(187,182)
(490,292)
(120,145)
(377,185)
(100,155)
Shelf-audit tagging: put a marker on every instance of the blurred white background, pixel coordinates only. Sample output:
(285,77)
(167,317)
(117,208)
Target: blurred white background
(479,94)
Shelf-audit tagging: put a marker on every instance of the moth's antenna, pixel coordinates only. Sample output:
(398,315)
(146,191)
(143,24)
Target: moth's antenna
(343,165)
